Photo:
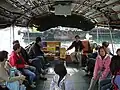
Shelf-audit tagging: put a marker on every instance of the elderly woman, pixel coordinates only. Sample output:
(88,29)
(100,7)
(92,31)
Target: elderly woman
(12,83)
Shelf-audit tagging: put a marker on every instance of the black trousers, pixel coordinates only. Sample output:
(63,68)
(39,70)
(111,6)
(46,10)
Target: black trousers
(1,88)
(38,65)
(91,64)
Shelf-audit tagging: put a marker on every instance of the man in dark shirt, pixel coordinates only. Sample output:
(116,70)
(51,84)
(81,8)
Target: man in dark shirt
(36,52)
(76,56)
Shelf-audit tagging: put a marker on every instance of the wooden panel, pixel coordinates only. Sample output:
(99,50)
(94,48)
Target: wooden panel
(62,53)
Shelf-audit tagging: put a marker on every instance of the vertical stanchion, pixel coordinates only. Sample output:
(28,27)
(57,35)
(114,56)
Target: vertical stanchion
(28,35)
(97,35)
(13,29)
(111,38)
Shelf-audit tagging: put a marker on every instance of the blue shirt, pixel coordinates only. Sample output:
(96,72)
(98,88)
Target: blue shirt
(117,81)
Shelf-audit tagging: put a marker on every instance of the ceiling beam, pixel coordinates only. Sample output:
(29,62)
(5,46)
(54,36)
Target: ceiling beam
(112,22)
(105,5)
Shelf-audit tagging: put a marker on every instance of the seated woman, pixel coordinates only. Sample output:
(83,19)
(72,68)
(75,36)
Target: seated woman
(115,70)
(12,83)
(60,80)
(17,61)
(101,69)
(34,62)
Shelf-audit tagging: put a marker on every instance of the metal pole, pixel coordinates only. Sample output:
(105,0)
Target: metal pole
(10,39)
(13,32)
(97,35)
(28,35)
(111,40)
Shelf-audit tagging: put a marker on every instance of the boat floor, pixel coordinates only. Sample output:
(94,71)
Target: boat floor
(81,82)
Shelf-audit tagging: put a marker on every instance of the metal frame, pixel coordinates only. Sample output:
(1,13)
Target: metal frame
(43,6)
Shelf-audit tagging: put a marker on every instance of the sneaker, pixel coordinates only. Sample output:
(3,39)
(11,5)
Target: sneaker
(75,62)
(44,71)
(32,86)
(47,64)
(34,82)
(43,78)
(85,69)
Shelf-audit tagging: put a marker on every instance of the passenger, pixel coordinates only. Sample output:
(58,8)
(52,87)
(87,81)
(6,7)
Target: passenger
(115,70)
(16,60)
(118,52)
(34,62)
(105,45)
(7,81)
(76,56)
(61,79)
(36,52)
(91,62)
(101,69)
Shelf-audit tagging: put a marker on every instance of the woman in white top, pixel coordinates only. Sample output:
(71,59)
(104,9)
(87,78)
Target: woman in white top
(60,80)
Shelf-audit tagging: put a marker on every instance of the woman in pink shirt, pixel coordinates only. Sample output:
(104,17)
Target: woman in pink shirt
(101,69)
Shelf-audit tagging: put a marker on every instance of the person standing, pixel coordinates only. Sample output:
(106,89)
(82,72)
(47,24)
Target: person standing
(76,55)
(61,80)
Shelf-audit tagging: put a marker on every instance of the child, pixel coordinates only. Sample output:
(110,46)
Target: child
(60,80)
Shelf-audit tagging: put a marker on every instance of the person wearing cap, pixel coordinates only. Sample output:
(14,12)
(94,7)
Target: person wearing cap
(76,56)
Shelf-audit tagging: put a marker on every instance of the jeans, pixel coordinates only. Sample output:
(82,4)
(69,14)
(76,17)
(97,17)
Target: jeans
(31,75)
(105,84)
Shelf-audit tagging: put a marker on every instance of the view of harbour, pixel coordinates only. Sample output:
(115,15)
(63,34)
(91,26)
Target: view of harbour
(6,38)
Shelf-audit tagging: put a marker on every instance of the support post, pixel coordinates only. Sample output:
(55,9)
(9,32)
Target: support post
(97,35)
(13,31)
(28,35)
(111,39)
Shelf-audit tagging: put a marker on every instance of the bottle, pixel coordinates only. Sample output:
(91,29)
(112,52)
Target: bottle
(12,72)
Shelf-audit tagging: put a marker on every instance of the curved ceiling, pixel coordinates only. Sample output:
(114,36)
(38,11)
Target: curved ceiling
(87,12)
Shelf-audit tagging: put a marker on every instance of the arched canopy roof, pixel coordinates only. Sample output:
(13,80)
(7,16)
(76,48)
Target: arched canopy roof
(85,13)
